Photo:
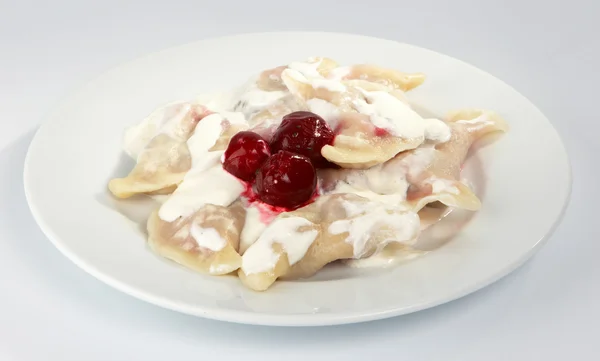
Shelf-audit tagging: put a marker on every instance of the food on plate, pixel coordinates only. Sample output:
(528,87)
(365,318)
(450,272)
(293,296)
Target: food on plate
(303,165)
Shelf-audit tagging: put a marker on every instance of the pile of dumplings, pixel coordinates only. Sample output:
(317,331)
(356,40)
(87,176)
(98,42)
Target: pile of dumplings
(416,172)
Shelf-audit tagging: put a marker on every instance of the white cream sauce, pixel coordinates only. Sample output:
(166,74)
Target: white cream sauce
(207,238)
(366,218)
(284,231)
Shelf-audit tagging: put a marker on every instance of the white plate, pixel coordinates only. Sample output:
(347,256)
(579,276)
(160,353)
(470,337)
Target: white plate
(526,178)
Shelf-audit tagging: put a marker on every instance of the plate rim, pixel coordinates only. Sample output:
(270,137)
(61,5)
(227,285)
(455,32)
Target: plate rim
(264,319)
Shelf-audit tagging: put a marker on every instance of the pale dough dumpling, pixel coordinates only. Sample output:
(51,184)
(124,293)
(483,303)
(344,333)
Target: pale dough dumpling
(339,226)
(265,122)
(440,181)
(307,89)
(427,174)
(358,143)
(387,77)
(270,79)
(158,145)
(160,168)
(229,130)
(206,242)
(281,244)
(372,86)
(343,93)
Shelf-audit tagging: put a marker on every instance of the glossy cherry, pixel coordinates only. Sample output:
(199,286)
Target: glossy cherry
(286,180)
(303,133)
(246,153)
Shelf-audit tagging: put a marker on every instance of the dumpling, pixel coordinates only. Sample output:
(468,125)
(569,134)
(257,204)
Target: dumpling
(177,120)
(283,243)
(315,66)
(360,144)
(387,77)
(372,86)
(302,86)
(206,182)
(368,118)
(158,144)
(341,226)
(354,227)
(441,180)
(227,132)
(207,241)
(160,168)
(267,120)
(270,79)
(427,174)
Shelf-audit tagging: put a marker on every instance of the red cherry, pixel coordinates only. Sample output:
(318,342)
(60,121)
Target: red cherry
(303,133)
(286,180)
(246,152)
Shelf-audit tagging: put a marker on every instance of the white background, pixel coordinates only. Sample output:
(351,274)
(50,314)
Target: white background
(546,310)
